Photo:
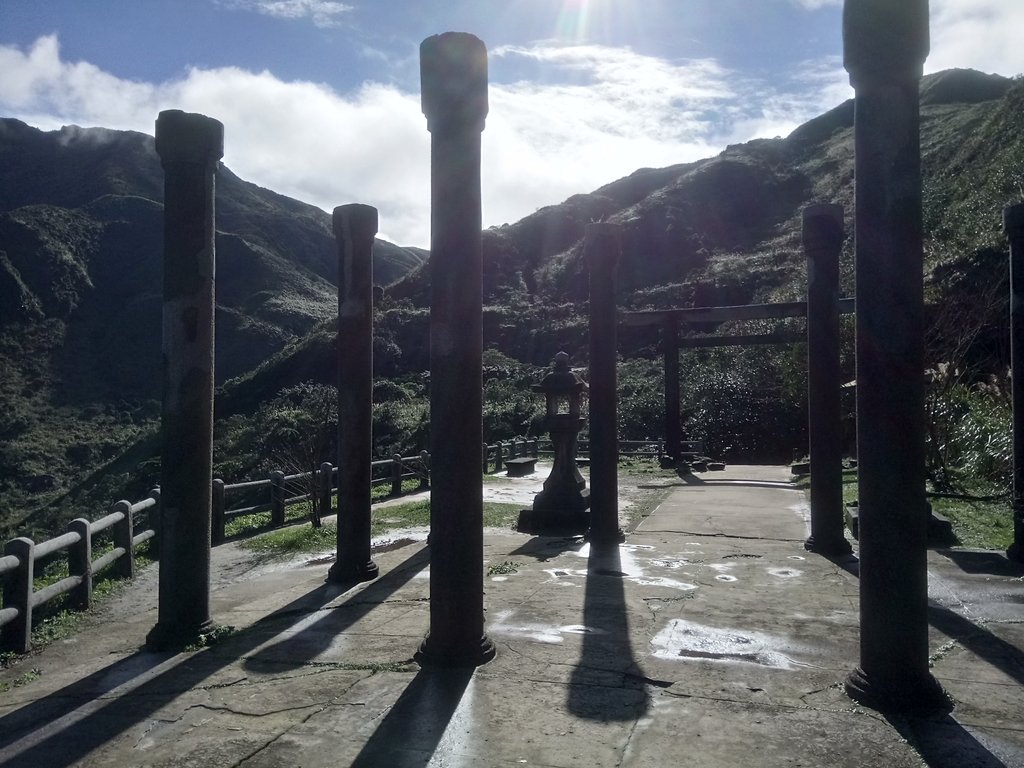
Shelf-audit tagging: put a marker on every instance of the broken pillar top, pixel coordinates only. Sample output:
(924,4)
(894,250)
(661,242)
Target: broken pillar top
(453,81)
(884,40)
(187,137)
(823,225)
(1013,220)
(357,220)
(602,243)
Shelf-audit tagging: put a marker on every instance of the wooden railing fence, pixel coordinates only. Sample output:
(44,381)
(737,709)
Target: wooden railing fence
(321,483)
(21,555)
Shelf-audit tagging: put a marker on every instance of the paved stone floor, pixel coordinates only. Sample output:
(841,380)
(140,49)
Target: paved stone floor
(711,638)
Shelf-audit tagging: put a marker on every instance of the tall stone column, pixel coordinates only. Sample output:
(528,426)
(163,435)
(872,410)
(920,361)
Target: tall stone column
(823,240)
(602,249)
(453,74)
(1013,224)
(673,417)
(355,226)
(189,146)
(885,45)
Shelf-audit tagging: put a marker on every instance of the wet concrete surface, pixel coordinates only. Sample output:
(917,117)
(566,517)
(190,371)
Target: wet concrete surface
(710,638)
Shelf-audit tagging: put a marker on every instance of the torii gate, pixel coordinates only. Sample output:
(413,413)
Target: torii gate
(822,239)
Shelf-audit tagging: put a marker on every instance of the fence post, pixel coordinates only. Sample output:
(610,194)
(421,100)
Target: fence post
(80,563)
(154,523)
(483,454)
(123,534)
(524,448)
(17,635)
(534,449)
(396,474)
(276,498)
(326,487)
(217,521)
(425,470)
(499,450)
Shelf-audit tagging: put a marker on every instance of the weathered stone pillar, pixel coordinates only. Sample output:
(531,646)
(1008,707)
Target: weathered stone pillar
(602,248)
(189,146)
(453,73)
(355,226)
(1013,224)
(885,45)
(823,240)
(673,416)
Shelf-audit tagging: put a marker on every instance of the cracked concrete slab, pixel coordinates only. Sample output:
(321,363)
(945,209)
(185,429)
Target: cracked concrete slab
(711,638)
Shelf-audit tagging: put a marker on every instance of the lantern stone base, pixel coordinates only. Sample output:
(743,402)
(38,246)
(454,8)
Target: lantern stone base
(557,512)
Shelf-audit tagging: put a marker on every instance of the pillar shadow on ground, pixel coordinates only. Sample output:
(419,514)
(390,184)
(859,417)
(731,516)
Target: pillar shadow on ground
(58,745)
(543,548)
(606,683)
(943,742)
(306,644)
(992,649)
(983,561)
(414,728)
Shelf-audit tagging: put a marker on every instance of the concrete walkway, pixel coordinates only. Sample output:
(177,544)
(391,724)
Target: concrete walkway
(710,639)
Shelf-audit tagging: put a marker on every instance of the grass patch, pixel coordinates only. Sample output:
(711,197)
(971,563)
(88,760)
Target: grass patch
(286,542)
(23,679)
(978,523)
(503,569)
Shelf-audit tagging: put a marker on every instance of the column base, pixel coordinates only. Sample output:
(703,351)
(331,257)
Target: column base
(828,547)
(433,653)
(908,695)
(168,636)
(352,574)
(1015,552)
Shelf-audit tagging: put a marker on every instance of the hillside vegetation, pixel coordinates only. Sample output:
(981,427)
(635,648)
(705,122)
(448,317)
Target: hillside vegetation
(79,299)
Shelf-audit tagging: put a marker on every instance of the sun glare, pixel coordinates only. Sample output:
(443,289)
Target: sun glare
(578,18)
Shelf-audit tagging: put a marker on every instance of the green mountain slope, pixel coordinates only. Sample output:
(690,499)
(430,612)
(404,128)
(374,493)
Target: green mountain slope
(79,305)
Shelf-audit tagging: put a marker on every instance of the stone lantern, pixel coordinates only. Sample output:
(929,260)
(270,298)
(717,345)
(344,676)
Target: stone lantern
(561,507)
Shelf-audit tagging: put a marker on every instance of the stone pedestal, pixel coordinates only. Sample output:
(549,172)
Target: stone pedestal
(189,146)
(355,227)
(823,241)
(885,45)
(603,247)
(1013,224)
(453,72)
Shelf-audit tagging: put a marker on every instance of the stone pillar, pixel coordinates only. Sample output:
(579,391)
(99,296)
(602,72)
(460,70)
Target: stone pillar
(885,45)
(823,240)
(355,227)
(673,417)
(453,73)
(189,146)
(602,248)
(1013,224)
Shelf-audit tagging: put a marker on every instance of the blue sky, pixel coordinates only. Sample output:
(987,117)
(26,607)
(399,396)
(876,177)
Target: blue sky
(320,97)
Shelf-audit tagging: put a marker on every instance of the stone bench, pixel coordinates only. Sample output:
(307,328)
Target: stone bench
(520,467)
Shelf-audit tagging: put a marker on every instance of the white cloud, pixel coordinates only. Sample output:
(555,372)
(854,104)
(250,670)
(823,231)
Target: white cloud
(324,13)
(981,34)
(603,113)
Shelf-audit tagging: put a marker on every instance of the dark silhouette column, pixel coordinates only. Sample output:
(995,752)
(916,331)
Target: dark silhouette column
(355,226)
(602,248)
(823,240)
(1013,224)
(673,417)
(453,72)
(885,45)
(189,146)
